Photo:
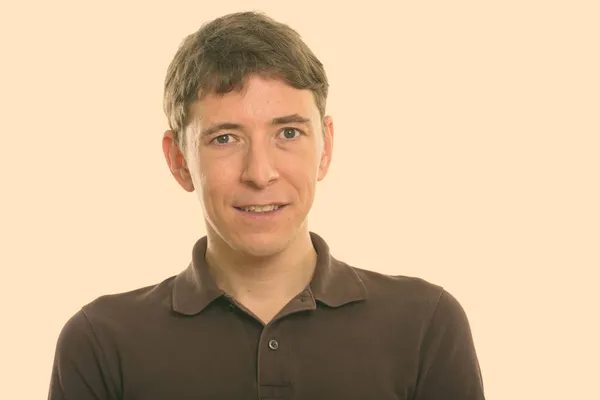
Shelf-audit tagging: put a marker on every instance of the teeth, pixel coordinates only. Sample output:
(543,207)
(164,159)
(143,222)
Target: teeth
(259,209)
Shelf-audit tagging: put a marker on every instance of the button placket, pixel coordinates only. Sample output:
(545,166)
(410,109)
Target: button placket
(273,362)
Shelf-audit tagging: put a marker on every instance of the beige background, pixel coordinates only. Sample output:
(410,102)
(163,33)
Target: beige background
(466,153)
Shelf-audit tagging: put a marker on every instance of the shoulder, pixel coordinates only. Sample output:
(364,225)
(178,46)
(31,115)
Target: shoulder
(415,301)
(90,343)
(117,310)
(139,296)
(411,295)
(398,287)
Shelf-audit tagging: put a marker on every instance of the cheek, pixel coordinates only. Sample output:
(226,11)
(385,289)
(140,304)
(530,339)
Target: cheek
(217,180)
(302,176)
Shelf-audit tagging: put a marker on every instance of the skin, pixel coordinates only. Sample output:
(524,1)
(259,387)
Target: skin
(262,262)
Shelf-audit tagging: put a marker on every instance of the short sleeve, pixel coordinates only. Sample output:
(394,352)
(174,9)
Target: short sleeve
(79,370)
(449,368)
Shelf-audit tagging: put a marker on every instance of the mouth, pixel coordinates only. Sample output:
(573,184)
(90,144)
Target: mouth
(261,209)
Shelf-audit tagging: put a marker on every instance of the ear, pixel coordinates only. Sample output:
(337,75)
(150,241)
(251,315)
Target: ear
(327,150)
(176,161)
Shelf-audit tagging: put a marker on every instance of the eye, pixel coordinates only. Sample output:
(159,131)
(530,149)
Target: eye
(222,139)
(290,133)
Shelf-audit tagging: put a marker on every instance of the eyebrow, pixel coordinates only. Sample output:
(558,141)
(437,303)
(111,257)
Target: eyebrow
(287,119)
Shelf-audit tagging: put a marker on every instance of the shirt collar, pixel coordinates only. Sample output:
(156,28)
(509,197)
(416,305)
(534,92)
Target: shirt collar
(334,283)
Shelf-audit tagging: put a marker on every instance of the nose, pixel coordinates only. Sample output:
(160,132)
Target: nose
(259,166)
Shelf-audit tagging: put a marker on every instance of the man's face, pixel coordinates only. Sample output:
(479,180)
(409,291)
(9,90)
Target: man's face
(254,158)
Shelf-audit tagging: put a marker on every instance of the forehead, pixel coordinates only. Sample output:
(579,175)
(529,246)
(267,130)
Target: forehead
(259,101)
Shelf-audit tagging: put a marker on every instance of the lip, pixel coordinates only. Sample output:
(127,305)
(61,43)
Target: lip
(261,205)
(262,216)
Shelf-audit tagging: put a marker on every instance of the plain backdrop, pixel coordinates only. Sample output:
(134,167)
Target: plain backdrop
(466,153)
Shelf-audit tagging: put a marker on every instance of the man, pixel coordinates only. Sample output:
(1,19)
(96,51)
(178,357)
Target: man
(263,311)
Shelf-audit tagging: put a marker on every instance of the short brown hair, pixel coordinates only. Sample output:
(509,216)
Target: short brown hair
(220,56)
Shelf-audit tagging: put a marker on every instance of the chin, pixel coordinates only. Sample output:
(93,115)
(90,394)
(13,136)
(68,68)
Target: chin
(260,244)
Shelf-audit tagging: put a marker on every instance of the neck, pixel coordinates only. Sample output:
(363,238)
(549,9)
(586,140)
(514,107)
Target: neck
(278,277)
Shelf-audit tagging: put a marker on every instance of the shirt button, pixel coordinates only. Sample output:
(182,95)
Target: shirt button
(273,344)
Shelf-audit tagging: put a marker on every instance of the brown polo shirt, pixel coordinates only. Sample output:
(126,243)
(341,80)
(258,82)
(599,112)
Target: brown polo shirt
(351,334)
